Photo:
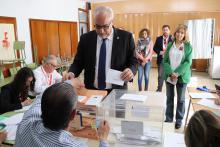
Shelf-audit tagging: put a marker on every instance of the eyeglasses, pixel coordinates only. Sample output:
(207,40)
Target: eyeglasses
(54,66)
(105,27)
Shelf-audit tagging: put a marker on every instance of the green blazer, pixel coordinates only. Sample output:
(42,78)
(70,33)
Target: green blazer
(183,70)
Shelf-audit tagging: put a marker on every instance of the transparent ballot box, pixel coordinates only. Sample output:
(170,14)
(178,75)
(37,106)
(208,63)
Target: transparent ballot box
(135,118)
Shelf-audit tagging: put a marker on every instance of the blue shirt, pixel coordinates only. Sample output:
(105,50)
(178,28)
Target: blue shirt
(31,132)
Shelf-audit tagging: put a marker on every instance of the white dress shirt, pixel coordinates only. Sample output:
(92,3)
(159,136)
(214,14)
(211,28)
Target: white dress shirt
(44,80)
(165,43)
(108,42)
(176,54)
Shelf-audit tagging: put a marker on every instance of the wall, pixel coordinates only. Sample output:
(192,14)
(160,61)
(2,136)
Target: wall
(141,6)
(23,10)
(134,22)
(133,15)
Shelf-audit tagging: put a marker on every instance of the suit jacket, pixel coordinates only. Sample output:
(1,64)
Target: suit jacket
(184,69)
(158,46)
(9,99)
(123,48)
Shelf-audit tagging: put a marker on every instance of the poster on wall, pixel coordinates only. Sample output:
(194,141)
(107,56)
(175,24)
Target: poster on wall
(7,37)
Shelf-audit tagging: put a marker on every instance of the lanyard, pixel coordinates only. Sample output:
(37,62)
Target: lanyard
(49,78)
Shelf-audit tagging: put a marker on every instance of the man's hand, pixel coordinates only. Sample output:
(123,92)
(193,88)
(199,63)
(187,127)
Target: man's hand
(68,76)
(77,84)
(26,102)
(3,136)
(127,75)
(103,130)
(217,101)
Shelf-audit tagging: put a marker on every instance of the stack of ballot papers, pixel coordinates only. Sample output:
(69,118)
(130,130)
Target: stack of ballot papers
(94,100)
(201,95)
(81,98)
(174,140)
(208,103)
(25,108)
(133,97)
(89,104)
(11,125)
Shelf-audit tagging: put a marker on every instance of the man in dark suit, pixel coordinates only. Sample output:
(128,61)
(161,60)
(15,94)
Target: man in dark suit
(160,48)
(103,49)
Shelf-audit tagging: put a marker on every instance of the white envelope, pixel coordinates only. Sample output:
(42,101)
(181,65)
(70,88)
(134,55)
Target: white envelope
(171,82)
(114,77)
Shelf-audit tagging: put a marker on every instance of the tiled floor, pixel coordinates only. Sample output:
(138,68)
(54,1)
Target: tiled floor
(197,79)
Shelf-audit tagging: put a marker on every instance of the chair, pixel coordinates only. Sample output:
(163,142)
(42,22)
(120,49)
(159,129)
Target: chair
(1,67)
(32,66)
(1,75)
(19,52)
(36,56)
(35,64)
(14,70)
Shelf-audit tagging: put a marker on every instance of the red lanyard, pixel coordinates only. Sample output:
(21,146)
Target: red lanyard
(48,78)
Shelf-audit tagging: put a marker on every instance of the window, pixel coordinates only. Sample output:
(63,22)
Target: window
(83,21)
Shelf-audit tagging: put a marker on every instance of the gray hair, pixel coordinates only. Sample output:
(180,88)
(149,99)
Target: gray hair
(49,58)
(57,104)
(104,10)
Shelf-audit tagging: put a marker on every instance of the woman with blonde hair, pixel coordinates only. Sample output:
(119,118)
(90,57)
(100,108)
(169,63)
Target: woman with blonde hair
(144,52)
(203,130)
(177,62)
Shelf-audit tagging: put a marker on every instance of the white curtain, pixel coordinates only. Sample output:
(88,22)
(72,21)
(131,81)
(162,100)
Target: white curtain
(200,36)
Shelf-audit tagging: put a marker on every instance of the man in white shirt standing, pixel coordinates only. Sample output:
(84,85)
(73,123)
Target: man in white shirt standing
(46,74)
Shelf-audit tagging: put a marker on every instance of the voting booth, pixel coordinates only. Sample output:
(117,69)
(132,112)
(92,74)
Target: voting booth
(135,118)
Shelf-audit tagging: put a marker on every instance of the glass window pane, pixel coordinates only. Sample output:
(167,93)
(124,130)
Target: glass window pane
(82,16)
(82,28)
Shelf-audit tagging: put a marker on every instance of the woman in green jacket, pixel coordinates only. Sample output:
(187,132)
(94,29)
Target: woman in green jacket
(177,62)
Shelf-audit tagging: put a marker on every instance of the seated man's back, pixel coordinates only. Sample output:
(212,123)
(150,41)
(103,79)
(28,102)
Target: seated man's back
(31,132)
(47,122)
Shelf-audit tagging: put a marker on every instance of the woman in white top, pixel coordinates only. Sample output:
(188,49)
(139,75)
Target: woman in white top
(177,62)
(144,53)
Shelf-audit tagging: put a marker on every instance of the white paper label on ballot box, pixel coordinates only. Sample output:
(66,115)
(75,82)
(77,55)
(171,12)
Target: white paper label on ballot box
(132,128)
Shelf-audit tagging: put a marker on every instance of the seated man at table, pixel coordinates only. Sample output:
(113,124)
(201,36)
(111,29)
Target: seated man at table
(46,74)
(47,122)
